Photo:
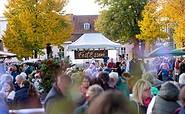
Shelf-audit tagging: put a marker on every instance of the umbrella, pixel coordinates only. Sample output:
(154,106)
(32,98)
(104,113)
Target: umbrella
(177,52)
(161,51)
(32,62)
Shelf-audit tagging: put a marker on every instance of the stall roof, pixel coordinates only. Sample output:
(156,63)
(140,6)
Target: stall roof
(93,41)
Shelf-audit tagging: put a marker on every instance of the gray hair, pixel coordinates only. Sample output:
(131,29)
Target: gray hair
(5,77)
(113,75)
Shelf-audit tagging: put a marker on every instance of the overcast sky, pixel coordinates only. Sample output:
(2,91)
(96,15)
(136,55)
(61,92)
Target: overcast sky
(77,7)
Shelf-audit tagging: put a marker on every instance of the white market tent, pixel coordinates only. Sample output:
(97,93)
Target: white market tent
(4,54)
(93,41)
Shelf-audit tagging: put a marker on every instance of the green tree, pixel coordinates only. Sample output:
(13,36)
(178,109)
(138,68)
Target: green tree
(33,23)
(151,26)
(119,21)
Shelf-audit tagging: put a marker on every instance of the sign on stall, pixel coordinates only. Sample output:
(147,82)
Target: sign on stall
(89,54)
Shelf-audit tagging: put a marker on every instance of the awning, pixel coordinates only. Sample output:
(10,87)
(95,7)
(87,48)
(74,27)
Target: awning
(4,54)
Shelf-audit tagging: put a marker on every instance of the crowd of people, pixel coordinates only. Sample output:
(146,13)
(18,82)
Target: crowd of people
(114,87)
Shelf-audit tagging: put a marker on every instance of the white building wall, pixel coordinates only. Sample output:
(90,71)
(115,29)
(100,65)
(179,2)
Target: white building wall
(3,26)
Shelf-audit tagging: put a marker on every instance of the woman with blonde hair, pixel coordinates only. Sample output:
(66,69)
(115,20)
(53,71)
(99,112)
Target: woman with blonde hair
(141,95)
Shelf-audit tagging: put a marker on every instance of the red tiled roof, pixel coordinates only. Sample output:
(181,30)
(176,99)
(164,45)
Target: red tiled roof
(78,21)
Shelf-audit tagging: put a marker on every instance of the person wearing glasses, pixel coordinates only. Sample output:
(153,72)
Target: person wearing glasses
(141,95)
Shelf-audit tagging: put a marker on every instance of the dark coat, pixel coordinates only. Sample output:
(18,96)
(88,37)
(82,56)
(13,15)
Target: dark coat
(57,103)
(23,100)
(135,68)
(165,102)
(181,68)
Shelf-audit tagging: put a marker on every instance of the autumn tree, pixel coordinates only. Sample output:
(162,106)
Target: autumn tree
(151,26)
(173,12)
(119,20)
(34,23)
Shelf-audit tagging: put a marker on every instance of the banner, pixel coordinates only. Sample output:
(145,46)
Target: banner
(89,54)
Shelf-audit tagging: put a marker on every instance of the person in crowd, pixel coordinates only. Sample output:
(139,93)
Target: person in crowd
(111,64)
(135,68)
(166,100)
(182,80)
(105,59)
(5,77)
(171,66)
(104,80)
(181,67)
(147,65)
(141,96)
(156,64)
(91,70)
(77,97)
(122,84)
(164,70)
(92,92)
(157,83)
(130,80)
(113,80)
(110,102)
(176,68)
(18,79)
(8,89)
(182,99)
(150,78)
(3,107)
(58,100)
(27,96)
(84,86)
(119,69)
(123,65)
(14,71)
(24,75)
(107,69)
(28,69)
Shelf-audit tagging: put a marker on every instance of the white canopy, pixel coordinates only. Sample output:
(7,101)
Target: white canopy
(6,54)
(93,41)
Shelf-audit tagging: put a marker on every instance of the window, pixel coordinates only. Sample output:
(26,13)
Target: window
(87,26)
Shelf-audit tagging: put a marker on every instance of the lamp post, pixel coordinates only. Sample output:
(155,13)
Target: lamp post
(48,50)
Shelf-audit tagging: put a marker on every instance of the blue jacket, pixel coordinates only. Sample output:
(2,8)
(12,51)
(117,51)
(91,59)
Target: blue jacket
(3,108)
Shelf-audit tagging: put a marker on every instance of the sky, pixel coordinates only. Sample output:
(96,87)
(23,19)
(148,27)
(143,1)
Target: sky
(76,7)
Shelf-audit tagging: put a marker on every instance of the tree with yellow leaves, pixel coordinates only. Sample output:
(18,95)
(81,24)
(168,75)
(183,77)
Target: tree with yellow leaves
(34,23)
(173,12)
(151,27)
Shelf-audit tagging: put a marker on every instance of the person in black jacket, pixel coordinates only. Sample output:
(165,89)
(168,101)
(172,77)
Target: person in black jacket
(27,96)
